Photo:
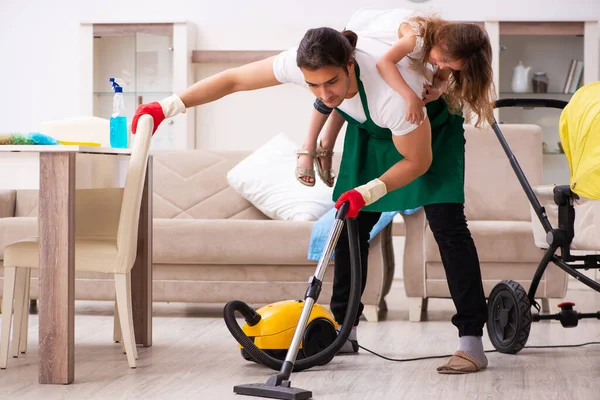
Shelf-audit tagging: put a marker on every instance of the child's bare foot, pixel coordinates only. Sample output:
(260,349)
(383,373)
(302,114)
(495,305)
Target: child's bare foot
(323,162)
(305,172)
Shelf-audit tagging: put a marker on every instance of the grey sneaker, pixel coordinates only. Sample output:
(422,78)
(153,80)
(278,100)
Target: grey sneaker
(351,345)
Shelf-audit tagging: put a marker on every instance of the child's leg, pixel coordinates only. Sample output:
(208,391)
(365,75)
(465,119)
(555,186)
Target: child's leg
(325,148)
(304,167)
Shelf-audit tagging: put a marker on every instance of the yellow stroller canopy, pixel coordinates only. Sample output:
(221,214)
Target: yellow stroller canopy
(579,130)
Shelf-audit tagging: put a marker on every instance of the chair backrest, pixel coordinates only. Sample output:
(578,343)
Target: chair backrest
(127,234)
(79,129)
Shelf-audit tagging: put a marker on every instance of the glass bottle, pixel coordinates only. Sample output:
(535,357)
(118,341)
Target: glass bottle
(539,82)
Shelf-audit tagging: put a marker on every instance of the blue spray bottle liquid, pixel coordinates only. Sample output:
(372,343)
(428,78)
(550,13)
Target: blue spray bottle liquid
(118,121)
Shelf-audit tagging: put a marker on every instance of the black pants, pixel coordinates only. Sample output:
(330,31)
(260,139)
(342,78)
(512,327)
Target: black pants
(459,257)
(341,274)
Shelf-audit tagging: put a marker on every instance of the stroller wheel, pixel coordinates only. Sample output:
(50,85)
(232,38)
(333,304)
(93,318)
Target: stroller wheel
(509,317)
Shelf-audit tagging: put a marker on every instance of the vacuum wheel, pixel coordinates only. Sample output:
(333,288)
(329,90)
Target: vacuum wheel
(319,335)
(509,317)
(245,355)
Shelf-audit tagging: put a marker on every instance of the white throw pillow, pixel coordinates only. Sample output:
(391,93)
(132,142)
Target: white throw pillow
(266,179)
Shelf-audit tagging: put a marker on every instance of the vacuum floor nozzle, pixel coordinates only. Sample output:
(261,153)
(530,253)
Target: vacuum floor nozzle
(272,392)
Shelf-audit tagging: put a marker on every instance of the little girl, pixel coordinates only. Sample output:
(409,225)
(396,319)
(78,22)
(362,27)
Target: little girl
(447,53)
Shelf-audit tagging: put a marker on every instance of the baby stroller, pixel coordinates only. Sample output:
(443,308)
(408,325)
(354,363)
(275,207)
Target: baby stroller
(565,218)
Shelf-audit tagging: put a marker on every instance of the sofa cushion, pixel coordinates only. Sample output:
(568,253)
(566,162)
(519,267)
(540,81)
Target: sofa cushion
(198,241)
(193,184)
(496,241)
(266,179)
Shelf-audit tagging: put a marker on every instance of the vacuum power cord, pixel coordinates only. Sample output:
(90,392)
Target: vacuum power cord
(486,351)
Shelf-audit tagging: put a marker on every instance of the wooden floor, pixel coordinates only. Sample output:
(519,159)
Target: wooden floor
(195,357)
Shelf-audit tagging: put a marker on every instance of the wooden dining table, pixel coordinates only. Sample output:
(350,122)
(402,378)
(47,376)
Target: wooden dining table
(56,225)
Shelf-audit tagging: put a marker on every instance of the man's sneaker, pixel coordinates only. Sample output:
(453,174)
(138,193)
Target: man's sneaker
(351,345)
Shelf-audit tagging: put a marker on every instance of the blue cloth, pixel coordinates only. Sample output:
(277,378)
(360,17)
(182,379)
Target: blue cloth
(322,227)
(40,138)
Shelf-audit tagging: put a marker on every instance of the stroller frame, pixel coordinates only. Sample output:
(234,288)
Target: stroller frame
(509,307)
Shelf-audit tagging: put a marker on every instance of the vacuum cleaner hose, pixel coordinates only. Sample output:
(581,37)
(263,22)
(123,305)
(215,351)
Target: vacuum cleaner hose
(317,359)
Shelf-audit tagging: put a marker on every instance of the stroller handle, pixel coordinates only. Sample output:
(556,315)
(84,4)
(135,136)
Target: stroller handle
(530,103)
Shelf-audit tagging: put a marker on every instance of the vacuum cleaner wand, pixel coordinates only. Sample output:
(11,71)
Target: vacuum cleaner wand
(279,386)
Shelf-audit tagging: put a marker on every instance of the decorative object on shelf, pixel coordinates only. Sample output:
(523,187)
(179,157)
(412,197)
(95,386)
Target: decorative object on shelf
(574,77)
(520,80)
(560,147)
(539,82)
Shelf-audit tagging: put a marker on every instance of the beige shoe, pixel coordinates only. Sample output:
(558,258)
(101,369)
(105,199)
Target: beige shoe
(305,172)
(326,175)
(460,363)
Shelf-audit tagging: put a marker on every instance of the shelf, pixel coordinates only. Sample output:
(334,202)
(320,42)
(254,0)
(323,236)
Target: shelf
(533,95)
(560,28)
(231,56)
(116,29)
(134,93)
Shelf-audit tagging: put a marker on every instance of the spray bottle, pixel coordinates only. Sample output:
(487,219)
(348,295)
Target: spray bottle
(118,121)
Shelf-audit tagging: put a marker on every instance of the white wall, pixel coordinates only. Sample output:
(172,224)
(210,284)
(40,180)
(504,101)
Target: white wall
(39,48)
(39,38)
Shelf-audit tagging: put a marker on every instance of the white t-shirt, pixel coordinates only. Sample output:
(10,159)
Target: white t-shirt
(386,106)
(383,24)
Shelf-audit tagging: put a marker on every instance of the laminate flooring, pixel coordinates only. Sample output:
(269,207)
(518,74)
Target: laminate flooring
(195,357)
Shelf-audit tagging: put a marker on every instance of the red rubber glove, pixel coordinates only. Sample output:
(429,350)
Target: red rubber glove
(159,110)
(356,202)
(362,196)
(154,109)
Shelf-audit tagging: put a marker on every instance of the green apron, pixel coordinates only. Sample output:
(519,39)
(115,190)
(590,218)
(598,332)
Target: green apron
(369,151)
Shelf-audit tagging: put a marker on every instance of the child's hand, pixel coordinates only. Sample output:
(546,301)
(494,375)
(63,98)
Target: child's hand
(414,110)
(430,93)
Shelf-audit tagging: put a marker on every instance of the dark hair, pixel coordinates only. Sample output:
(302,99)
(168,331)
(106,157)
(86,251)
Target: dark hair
(322,47)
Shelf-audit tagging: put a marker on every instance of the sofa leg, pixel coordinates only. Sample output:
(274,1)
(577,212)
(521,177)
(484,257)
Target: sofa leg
(371,313)
(416,306)
(545,306)
(383,305)
(33,306)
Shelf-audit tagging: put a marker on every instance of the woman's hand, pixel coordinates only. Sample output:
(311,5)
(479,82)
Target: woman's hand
(430,93)
(414,109)
(159,111)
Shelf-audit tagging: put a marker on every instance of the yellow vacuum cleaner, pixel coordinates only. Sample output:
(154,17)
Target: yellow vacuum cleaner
(274,333)
(295,335)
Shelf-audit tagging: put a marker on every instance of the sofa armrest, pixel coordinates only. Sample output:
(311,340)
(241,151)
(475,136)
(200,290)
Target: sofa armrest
(7,203)
(414,263)
(15,229)
(381,268)
(389,261)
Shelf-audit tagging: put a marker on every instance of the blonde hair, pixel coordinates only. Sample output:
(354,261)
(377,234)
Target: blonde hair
(473,85)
